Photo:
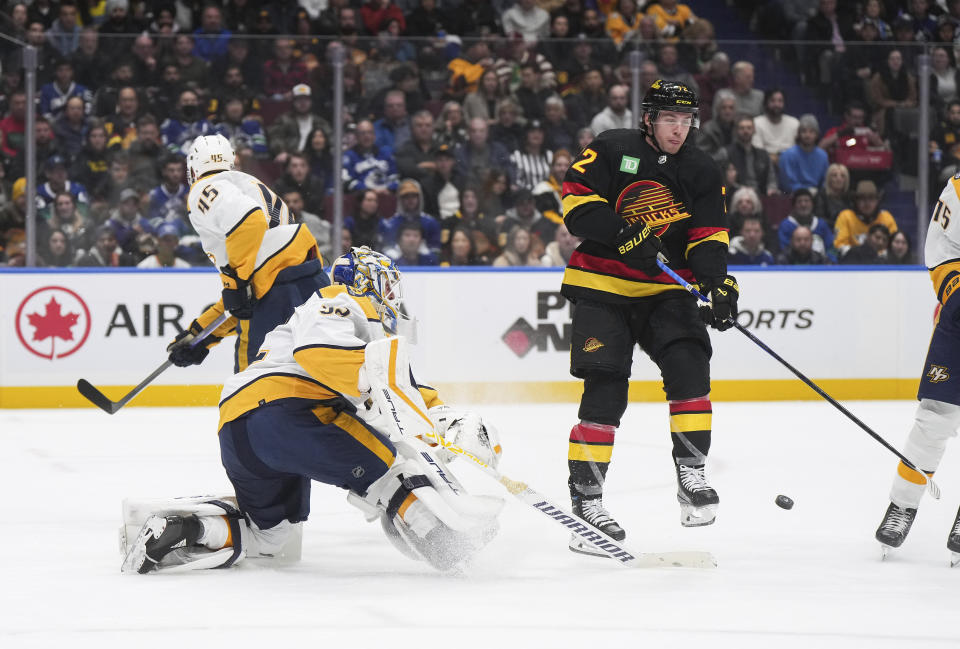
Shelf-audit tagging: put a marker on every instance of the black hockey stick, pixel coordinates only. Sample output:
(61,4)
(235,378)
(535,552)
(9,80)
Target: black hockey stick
(100,400)
(931,485)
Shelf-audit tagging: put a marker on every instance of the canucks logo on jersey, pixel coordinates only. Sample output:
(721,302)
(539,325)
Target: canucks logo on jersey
(651,202)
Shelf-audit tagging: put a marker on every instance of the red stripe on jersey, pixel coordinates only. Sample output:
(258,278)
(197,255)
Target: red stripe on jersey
(576,188)
(620,269)
(693,405)
(592,433)
(695,234)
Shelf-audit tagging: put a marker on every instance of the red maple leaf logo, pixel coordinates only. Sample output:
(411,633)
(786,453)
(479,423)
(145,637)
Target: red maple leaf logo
(52,323)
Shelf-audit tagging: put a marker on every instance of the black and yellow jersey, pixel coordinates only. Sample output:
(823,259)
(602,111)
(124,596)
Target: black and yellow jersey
(316,356)
(619,179)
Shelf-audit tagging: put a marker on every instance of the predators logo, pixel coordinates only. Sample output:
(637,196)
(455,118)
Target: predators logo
(651,202)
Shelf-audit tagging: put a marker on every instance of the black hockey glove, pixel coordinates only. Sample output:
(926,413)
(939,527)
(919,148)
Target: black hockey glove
(638,247)
(182,354)
(723,293)
(238,297)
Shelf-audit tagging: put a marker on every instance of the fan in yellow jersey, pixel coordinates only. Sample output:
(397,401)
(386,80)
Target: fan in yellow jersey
(268,264)
(302,412)
(938,415)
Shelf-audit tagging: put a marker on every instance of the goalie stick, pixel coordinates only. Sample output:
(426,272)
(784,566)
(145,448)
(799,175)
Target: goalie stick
(100,400)
(931,485)
(383,395)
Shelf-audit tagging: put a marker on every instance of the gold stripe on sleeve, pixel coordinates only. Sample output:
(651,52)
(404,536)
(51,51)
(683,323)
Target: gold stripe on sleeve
(336,367)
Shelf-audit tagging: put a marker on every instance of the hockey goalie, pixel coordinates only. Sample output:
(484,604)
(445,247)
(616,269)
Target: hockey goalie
(330,398)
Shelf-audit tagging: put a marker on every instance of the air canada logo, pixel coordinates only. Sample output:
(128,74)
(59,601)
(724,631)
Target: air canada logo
(652,203)
(53,322)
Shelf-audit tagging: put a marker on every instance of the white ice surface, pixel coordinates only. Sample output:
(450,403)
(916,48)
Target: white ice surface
(810,577)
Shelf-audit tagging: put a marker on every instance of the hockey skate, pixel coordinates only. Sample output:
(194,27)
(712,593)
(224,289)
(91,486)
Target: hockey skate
(592,511)
(698,500)
(953,542)
(894,528)
(158,539)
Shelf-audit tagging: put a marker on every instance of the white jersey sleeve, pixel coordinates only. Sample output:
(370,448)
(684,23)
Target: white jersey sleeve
(942,249)
(241,222)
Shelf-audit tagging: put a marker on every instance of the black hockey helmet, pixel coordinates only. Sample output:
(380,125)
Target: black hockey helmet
(671,95)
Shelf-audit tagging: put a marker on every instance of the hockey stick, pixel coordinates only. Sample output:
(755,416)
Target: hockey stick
(931,485)
(407,415)
(610,547)
(100,400)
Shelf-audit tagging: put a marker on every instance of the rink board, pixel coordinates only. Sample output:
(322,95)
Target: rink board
(484,335)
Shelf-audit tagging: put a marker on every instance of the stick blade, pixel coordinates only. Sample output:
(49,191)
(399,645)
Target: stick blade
(96,397)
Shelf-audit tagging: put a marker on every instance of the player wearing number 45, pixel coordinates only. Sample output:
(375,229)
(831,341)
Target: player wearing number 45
(938,415)
(268,264)
(313,407)
(631,195)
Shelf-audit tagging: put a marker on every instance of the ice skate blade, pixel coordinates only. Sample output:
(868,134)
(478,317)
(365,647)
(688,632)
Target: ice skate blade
(691,516)
(954,559)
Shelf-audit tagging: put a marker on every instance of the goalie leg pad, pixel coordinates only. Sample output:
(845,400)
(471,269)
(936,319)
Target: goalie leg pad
(188,540)
(420,522)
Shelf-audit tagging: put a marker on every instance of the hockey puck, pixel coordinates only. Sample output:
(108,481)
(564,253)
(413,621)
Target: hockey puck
(784,502)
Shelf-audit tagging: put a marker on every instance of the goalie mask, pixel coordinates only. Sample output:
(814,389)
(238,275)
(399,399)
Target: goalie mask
(375,276)
(209,153)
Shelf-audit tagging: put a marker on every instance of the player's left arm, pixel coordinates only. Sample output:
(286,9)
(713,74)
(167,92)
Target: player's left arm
(708,240)
(244,224)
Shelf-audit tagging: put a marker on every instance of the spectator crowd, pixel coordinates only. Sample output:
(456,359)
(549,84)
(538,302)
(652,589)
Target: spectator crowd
(461,119)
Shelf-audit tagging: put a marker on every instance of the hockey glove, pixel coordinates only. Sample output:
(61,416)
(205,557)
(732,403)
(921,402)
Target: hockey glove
(181,352)
(638,247)
(723,293)
(238,297)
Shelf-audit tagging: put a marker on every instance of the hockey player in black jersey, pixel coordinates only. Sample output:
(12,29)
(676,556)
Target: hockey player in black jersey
(633,194)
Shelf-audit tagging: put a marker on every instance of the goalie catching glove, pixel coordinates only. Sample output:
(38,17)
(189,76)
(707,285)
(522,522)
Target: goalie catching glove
(723,293)
(183,353)
(466,429)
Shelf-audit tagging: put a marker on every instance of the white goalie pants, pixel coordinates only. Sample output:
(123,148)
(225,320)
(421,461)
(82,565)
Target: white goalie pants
(935,423)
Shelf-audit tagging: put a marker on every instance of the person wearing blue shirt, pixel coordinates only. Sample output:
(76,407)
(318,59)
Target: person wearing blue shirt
(188,124)
(241,132)
(367,166)
(54,95)
(804,165)
(802,214)
(210,40)
(168,201)
(747,248)
(409,202)
(393,129)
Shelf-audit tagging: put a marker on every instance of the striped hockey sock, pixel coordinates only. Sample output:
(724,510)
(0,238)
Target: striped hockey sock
(690,422)
(591,447)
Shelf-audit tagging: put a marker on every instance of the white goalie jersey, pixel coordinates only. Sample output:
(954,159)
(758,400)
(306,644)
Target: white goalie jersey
(317,354)
(942,250)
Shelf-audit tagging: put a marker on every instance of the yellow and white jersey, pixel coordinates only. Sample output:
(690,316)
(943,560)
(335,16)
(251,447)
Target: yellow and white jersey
(942,250)
(243,224)
(317,354)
